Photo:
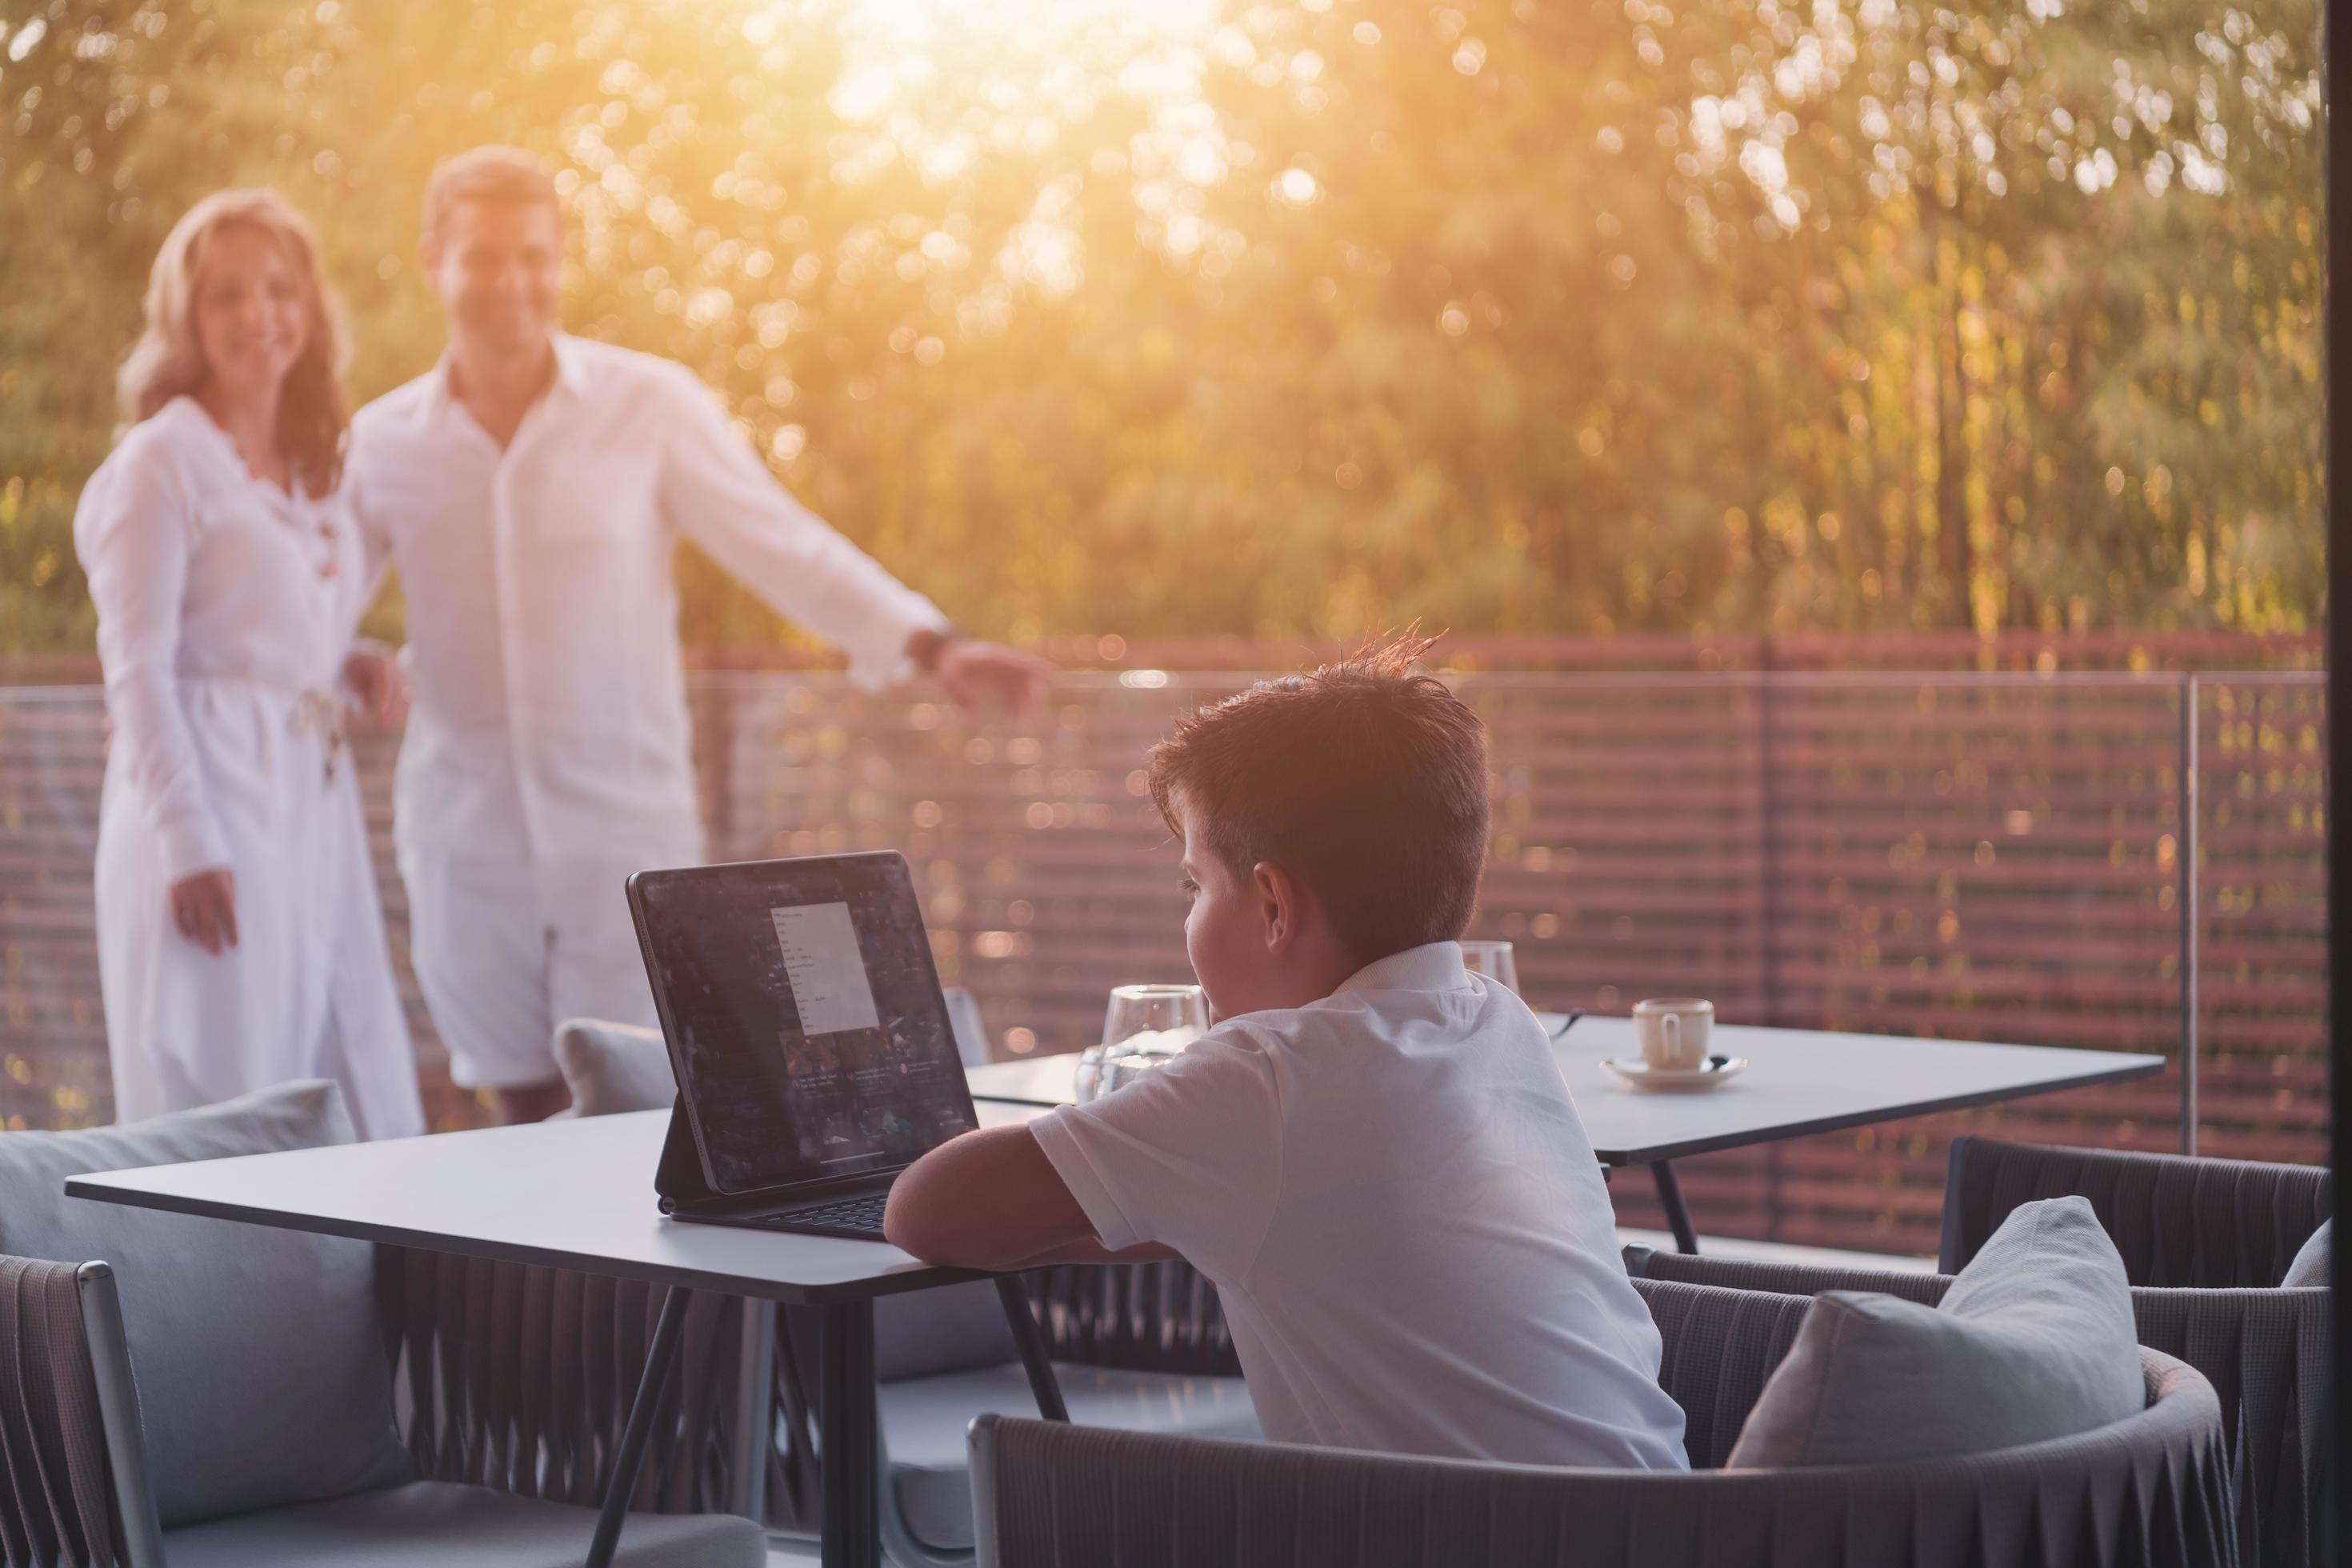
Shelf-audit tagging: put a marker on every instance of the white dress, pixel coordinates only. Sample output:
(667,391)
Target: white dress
(226,609)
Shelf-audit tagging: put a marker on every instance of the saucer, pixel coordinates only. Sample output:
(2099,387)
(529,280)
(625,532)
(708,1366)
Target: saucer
(1675,1081)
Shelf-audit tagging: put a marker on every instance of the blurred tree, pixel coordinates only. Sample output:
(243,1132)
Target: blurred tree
(1304,318)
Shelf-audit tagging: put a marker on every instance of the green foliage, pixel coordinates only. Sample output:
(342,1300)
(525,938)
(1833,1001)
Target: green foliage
(1308,319)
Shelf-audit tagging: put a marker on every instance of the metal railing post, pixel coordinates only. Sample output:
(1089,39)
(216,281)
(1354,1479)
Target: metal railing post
(1767,823)
(2185,879)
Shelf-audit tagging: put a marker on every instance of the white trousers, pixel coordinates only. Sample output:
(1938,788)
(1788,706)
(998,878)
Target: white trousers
(507,947)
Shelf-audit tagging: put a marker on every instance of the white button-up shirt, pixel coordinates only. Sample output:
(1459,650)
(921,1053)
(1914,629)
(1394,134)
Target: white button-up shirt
(550,714)
(1403,1218)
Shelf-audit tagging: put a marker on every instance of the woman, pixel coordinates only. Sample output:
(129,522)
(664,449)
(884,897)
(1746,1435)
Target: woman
(239,939)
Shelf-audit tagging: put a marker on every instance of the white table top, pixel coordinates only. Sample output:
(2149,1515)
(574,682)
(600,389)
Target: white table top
(575,1195)
(1798,1082)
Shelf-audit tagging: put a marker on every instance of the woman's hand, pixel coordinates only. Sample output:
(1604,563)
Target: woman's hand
(203,907)
(376,680)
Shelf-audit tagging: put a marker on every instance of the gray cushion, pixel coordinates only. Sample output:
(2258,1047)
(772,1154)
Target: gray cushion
(260,1361)
(453,1526)
(2312,1261)
(614,1067)
(917,1333)
(2034,1341)
(924,1421)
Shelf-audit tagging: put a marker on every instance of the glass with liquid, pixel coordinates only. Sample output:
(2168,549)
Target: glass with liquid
(1144,1026)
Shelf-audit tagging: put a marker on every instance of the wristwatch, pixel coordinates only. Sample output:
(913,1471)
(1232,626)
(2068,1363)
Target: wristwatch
(924,647)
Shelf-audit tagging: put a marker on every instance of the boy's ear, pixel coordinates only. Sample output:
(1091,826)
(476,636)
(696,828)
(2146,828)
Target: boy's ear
(1281,904)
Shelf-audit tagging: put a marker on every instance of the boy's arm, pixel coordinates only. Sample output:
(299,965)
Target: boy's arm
(991,1200)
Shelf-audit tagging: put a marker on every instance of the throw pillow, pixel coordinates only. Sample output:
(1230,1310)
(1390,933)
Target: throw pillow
(954,1328)
(2034,1341)
(2312,1263)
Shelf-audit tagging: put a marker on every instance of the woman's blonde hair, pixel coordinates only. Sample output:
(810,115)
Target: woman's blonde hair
(168,360)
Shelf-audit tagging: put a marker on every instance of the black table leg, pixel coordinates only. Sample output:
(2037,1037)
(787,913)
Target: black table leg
(1031,1346)
(848,1436)
(1670,1195)
(623,1483)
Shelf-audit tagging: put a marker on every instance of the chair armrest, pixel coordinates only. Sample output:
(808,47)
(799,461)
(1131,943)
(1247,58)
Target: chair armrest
(1786,1278)
(54,1466)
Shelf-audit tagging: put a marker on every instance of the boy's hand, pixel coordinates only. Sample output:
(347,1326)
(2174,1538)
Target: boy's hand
(991,1200)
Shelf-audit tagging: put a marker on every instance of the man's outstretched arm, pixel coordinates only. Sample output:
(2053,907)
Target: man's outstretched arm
(991,1200)
(716,491)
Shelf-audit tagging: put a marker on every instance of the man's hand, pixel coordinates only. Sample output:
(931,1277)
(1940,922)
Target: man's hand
(203,908)
(379,684)
(973,671)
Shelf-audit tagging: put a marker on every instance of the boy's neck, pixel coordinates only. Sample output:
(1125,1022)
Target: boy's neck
(1310,977)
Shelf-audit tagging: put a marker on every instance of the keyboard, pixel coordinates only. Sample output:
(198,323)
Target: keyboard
(853,1216)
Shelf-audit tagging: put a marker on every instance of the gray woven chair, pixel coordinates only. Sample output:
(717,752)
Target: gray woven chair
(74,1461)
(2177,1220)
(2265,1352)
(2152,1489)
(269,1421)
(521,1378)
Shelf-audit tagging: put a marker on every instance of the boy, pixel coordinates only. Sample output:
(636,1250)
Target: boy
(1372,1154)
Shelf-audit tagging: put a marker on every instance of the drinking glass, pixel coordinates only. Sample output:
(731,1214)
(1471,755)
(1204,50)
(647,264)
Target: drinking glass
(1493,960)
(1144,1027)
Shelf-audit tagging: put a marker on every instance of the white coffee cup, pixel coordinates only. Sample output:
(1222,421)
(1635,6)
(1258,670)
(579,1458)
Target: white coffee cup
(1673,1031)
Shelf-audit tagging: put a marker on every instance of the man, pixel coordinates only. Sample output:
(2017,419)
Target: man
(531,488)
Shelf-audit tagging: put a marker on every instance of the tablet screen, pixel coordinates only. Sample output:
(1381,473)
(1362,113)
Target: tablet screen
(803,1015)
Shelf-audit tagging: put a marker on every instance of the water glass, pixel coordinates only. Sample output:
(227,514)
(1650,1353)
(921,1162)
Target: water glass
(1493,960)
(1144,1026)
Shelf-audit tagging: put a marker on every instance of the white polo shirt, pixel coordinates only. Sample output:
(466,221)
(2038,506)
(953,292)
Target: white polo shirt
(1403,1220)
(550,714)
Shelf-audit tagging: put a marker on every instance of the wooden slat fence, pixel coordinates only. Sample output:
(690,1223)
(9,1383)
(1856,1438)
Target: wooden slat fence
(1996,856)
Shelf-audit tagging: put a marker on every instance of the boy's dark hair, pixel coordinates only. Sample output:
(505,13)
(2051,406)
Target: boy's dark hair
(1364,780)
